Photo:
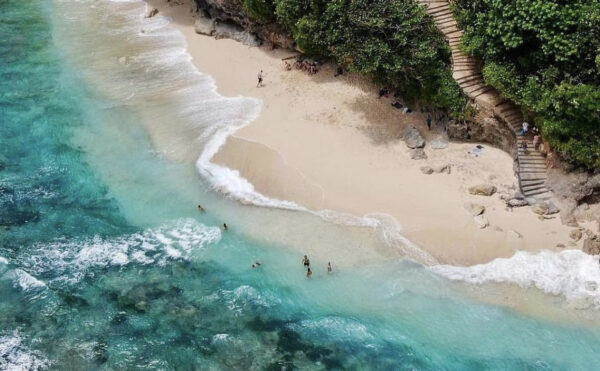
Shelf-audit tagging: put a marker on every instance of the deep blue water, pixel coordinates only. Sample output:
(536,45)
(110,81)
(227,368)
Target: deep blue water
(88,284)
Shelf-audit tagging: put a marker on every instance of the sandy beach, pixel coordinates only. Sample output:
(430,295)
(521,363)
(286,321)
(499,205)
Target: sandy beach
(329,143)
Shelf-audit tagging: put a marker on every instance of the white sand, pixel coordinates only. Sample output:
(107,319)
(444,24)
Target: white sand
(329,143)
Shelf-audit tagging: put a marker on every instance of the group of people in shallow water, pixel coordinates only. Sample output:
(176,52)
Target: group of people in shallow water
(256,264)
(306,263)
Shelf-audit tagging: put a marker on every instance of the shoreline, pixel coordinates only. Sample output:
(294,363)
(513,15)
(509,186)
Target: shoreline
(329,143)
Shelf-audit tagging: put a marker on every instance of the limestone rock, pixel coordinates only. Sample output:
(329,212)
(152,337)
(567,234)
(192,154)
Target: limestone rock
(426,170)
(418,154)
(439,144)
(151,12)
(205,26)
(481,221)
(412,137)
(561,245)
(482,190)
(591,245)
(544,208)
(475,209)
(234,32)
(443,169)
(515,234)
(576,234)
(513,202)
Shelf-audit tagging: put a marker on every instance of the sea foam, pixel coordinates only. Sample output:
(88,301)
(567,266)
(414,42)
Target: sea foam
(69,260)
(571,273)
(14,355)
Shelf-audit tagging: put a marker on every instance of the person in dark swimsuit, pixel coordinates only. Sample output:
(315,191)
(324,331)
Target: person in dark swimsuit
(329,269)
(308,273)
(306,261)
(225,226)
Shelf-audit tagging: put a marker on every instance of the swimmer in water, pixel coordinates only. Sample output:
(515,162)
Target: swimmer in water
(200,208)
(256,264)
(306,261)
(329,269)
(308,273)
(225,226)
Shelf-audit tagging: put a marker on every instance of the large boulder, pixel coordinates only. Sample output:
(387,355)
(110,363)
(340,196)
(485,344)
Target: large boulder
(234,32)
(412,137)
(482,190)
(591,245)
(204,26)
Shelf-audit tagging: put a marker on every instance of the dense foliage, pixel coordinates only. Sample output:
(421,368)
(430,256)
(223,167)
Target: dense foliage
(544,55)
(395,42)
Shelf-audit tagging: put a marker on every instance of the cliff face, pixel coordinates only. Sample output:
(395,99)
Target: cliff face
(232,11)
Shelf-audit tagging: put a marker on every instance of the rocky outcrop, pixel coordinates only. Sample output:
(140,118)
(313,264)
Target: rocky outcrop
(484,128)
(591,245)
(232,12)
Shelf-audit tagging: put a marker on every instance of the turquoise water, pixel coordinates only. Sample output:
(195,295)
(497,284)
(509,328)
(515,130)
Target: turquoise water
(106,264)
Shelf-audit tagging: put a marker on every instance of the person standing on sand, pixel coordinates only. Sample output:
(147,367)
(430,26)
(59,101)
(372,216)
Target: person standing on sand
(428,122)
(260,79)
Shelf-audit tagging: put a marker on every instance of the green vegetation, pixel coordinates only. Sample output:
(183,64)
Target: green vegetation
(545,56)
(263,11)
(394,42)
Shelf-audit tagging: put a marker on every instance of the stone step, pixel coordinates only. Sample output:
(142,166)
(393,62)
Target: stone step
(532,176)
(538,193)
(468,78)
(528,189)
(487,90)
(532,182)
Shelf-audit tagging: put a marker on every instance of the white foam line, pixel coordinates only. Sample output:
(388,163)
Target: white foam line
(572,274)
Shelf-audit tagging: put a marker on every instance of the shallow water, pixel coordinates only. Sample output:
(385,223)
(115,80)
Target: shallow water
(106,264)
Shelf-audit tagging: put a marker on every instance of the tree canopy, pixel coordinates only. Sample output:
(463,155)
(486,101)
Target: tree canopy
(545,56)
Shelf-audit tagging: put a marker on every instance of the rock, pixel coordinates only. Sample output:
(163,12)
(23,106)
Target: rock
(418,154)
(561,245)
(519,196)
(541,218)
(426,170)
(412,137)
(439,144)
(515,234)
(517,203)
(234,32)
(151,12)
(475,209)
(442,169)
(576,234)
(591,245)
(482,190)
(205,26)
(544,208)
(481,221)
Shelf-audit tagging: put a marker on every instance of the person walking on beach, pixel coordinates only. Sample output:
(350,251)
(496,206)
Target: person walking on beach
(260,79)
(306,261)
(428,122)
(329,269)
(308,273)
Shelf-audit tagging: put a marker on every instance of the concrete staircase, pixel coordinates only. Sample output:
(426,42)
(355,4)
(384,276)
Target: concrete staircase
(465,70)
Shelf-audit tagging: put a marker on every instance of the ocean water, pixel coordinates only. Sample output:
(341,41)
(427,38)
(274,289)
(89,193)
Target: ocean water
(106,132)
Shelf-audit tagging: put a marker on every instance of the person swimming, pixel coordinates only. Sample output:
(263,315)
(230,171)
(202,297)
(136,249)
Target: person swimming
(200,208)
(225,226)
(306,261)
(308,273)
(329,269)
(256,264)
